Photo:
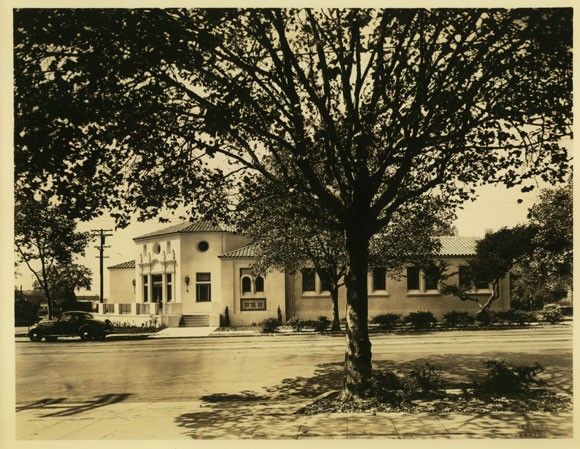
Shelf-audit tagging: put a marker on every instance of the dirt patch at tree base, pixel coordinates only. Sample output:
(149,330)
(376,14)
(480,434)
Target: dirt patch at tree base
(532,401)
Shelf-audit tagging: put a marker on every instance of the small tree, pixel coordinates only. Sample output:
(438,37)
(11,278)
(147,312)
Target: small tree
(46,242)
(496,254)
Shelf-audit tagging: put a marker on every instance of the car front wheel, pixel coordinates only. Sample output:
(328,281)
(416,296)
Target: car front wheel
(35,336)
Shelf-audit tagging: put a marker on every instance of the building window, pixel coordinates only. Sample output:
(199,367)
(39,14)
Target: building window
(169,283)
(145,288)
(413,282)
(168,247)
(156,248)
(246,285)
(431,274)
(124,309)
(259,284)
(468,281)
(308,280)
(203,246)
(481,284)
(465,277)
(252,304)
(144,250)
(203,287)
(379,279)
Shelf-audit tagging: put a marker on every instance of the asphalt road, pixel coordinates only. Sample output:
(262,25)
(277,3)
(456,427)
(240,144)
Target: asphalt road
(264,367)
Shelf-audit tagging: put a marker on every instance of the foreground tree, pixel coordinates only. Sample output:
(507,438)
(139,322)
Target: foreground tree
(46,242)
(357,111)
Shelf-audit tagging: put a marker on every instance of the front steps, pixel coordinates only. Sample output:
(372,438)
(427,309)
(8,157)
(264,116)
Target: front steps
(194,321)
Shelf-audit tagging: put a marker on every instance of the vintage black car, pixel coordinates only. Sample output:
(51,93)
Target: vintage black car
(71,324)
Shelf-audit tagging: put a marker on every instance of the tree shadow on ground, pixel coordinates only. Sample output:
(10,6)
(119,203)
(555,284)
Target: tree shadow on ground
(460,369)
(63,409)
(246,414)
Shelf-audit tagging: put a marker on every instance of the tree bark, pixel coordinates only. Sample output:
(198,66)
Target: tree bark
(358,365)
(335,318)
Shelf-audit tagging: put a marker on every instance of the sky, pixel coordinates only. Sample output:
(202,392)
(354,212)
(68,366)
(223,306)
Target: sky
(495,208)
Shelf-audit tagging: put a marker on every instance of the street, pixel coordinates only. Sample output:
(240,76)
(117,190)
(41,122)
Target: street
(300,366)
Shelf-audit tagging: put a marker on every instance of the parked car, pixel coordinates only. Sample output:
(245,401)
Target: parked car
(71,324)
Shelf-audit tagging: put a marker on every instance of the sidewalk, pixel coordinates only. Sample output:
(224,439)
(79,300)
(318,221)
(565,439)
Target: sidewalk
(250,420)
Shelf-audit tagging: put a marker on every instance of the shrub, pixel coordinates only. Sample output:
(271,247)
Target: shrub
(515,317)
(553,316)
(505,378)
(386,321)
(421,320)
(270,325)
(427,378)
(297,324)
(455,318)
(486,318)
(387,386)
(227,317)
(321,324)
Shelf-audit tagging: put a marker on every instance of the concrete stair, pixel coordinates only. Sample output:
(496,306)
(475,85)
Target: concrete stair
(194,321)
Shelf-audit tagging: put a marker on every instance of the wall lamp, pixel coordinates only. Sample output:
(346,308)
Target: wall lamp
(134,283)
(187,282)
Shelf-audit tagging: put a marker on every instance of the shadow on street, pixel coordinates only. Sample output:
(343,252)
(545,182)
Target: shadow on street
(64,409)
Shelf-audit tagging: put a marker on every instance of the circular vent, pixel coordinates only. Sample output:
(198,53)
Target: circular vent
(203,246)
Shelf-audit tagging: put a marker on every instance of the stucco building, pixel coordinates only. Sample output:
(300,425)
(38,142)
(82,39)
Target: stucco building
(187,274)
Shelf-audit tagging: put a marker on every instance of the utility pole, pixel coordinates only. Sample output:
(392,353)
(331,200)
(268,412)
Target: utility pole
(102,234)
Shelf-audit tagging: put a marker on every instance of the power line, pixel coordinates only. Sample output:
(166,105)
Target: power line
(102,234)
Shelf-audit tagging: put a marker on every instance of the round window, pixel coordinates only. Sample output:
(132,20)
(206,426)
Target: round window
(156,248)
(203,246)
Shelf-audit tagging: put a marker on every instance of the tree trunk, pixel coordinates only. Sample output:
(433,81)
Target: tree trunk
(358,365)
(335,318)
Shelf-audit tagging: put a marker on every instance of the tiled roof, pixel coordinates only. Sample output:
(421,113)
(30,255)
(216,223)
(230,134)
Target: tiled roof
(187,227)
(457,246)
(450,246)
(245,252)
(129,264)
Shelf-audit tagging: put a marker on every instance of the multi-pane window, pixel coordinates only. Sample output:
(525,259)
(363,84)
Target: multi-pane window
(251,304)
(379,279)
(145,288)
(169,284)
(203,287)
(413,281)
(308,280)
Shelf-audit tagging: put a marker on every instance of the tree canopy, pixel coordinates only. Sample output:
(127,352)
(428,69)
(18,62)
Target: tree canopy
(357,111)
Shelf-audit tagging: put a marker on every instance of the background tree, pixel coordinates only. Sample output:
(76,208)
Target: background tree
(46,242)
(357,111)
(63,280)
(284,240)
(545,275)
(496,254)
